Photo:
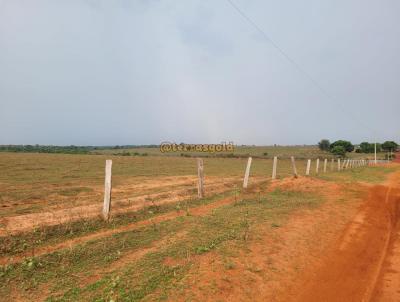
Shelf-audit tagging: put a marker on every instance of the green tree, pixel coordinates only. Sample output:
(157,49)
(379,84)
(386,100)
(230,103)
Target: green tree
(339,151)
(389,146)
(324,144)
(366,147)
(348,146)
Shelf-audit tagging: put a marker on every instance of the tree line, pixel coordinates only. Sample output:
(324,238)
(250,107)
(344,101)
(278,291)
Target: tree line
(72,149)
(341,147)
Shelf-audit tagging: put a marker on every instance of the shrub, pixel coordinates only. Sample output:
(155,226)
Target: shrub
(324,145)
(339,151)
(366,147)
(389,146)
(348,146)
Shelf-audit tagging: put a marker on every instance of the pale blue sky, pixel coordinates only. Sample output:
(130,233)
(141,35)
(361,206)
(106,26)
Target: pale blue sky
(94,72)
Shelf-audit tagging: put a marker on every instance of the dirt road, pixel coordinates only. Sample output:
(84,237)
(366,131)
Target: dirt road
(334,253)
(364,265)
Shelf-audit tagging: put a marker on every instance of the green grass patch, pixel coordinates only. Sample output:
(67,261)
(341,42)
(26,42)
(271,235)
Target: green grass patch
(374,175)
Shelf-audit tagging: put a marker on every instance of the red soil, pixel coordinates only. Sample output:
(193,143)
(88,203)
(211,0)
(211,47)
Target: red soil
(397,157)
(317,256)
(346,251)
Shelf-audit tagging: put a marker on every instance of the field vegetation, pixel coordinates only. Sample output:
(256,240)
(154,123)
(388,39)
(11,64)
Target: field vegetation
(159,232)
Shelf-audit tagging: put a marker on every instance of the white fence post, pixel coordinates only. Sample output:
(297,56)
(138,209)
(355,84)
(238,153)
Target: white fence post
(107,190)
(338,164)
(247,173)
(308,167)
(200,176)
(317,166)
(294,167)
(332,164)
(274,166)
(325,164)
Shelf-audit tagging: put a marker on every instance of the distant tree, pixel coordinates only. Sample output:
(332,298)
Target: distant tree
(339,151)
(324,144)
(348,146)
(389,146)
(366,147)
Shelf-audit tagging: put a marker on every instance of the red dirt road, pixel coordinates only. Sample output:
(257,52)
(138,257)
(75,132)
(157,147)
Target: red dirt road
(346,251)
(364,265)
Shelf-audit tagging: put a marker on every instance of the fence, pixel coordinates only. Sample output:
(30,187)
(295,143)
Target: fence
(339,165)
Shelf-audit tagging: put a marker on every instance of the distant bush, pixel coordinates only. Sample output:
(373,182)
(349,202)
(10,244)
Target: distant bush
(366,147)
(339,151)
(230,155)
(389,146)
(46,149)
(324,145)
(348,146)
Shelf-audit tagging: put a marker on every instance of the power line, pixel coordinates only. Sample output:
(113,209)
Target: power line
(295,64)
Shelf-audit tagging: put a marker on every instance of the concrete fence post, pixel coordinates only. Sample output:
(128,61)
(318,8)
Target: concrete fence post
(317,167)
(338,164)
(274,166)
(247,173)
(325,164)
(294,166)
(200,178)
(332,164)
(107,190)
(308,167)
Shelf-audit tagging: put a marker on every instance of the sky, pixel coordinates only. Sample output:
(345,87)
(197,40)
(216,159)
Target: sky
(100,72)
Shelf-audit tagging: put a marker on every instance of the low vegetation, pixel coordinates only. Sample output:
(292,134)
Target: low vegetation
(339,148)
(85,271)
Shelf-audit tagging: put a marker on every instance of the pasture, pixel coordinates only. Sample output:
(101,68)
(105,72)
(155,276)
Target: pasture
(163,242)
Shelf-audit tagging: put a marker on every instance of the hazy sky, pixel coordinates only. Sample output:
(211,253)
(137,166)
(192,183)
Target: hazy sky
(92,72)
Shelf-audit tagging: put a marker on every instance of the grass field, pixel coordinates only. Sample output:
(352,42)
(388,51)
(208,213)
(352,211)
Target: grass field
(36,183)
(30,181)
(268,152)
(159,233)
